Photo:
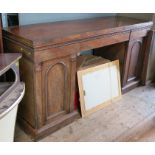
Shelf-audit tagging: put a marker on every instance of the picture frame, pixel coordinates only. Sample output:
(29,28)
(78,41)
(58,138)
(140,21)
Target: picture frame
(111,83)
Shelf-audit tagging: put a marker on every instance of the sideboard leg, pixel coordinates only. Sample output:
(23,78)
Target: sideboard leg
(146,52)
(72,84)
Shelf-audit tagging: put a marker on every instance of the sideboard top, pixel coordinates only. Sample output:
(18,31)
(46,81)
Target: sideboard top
(38,35)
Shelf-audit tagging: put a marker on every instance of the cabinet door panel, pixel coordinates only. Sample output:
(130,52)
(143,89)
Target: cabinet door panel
(56,77)
(134,63)
(55,83)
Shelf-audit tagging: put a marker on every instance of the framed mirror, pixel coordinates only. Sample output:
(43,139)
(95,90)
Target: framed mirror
(98,86)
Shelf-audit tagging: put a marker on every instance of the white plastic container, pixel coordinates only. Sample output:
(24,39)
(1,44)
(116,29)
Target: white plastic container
(8,116)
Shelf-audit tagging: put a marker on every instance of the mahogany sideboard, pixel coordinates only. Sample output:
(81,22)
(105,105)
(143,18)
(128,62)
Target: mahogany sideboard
(48,65)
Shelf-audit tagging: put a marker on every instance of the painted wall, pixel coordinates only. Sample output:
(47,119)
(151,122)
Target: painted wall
(31,18)
(147,16)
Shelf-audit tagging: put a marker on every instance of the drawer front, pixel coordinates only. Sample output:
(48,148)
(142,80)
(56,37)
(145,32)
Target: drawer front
(14,47)
(96,42)
(78,46)
(104,41)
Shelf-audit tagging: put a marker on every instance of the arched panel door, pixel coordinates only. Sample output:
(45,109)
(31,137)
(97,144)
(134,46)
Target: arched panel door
(135,61)
(134,58)
(56,88)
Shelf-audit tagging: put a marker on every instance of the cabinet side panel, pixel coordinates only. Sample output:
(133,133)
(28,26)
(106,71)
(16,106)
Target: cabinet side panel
(27,108)
(26,67)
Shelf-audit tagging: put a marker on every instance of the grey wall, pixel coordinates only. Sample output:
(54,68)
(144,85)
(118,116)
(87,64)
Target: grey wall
(147,16)
(31,18)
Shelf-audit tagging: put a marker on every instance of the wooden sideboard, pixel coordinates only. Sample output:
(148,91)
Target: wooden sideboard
(48,65)
(1,42)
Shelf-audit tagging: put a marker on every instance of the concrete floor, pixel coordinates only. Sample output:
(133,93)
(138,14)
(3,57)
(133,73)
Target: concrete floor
(130,119)
(149,136)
